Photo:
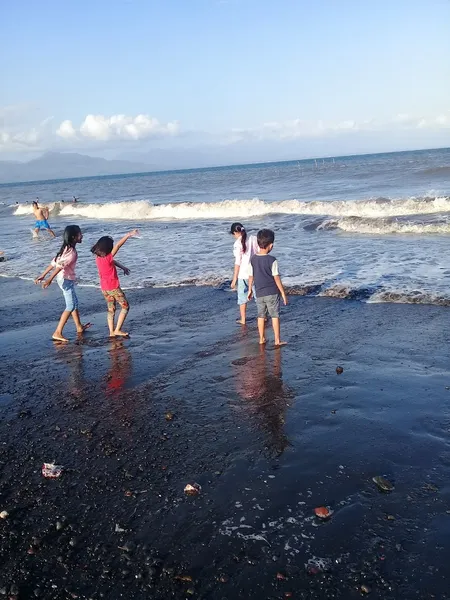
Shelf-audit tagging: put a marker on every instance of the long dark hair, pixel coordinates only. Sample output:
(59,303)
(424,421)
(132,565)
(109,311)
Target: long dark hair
(239,228)
(104,246)
(71,232)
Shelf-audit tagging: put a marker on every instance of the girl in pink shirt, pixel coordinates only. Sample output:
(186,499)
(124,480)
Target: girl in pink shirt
(105,250)
(63,267)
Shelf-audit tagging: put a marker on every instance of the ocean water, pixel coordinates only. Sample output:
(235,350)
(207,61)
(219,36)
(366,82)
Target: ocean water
(374,227)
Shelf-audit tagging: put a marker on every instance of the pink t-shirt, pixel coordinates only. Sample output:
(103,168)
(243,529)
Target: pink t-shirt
(108,272)
(67,261)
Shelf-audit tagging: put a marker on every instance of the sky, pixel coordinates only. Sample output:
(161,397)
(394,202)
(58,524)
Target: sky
(235,79)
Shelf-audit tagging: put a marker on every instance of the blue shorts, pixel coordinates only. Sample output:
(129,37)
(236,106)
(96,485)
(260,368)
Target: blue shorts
(42,224)
(242,290)
(68,289)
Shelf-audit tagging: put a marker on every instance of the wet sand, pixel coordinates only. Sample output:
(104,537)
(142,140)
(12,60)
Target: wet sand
(268,434)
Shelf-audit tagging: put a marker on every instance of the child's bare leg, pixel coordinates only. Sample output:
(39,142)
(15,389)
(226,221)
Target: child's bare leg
(276,331)
(76,317)
(58,333)
(243,311)
(110,319)
(262,330)
(122,300)
(120,322)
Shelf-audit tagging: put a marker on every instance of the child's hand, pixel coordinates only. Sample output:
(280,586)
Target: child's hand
(233,284)
(38,279)
(134,232)
(285,300)
(250,295)
(46,283)
(126,271)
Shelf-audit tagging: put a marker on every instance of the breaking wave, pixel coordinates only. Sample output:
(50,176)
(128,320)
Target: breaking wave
(226,209)
(382,226)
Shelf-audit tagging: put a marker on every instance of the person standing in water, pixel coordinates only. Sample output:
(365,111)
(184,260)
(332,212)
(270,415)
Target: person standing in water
(244,248)
(63,267)
(41,213)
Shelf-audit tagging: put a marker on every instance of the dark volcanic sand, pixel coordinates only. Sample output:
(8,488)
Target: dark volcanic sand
(268,434)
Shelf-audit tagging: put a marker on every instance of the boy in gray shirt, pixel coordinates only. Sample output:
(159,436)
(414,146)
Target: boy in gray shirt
(263,272)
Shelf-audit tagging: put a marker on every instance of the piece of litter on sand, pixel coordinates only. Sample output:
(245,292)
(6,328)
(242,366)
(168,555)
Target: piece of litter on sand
(119,529)
(322,512)
(383,484)
(192,489)
(52,471)
(4,514)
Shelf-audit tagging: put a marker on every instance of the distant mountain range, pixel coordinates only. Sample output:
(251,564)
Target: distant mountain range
(57,165)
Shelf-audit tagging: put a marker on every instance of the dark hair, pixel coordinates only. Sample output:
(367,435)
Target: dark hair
(71,232)
(34,203)
(265,237)
(104,246)
(239,228)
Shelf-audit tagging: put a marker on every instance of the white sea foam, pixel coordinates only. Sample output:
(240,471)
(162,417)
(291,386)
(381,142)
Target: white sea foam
(144,210)
(383,226)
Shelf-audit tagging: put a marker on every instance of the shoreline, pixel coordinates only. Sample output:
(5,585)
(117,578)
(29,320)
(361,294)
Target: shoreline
(268,434)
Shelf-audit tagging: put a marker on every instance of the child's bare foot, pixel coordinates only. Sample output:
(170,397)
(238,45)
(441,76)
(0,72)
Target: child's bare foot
(58,337)
(240,322)
(119,333)
(263,341)
(278,344)
(84,327)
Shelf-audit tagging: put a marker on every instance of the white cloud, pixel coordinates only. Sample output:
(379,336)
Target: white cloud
(18,136)
(117,127)
(297,128)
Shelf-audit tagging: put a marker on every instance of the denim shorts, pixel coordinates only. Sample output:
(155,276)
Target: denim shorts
(242,290)
(68,289)
(268,305)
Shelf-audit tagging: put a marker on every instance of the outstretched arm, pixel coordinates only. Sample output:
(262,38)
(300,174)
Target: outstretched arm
(44,274)
(121,242)
(124,269)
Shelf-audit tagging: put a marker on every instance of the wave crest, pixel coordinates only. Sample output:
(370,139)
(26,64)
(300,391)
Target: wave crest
(145,210)
(382,226)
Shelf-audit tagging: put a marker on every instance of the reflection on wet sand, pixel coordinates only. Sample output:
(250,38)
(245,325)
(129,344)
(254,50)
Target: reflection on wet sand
(120,367)
(259,383)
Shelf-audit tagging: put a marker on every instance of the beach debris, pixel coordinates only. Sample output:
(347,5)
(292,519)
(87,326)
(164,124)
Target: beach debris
(430,487)
(390,517)
(170,416)
(4,514)
(184,578)
(333,412)
(52,471)
(323,512)
(119,529)
(222,579)
(281,576)
(192,489)
(339,370)
(383,484)
(288,594)
(365,589)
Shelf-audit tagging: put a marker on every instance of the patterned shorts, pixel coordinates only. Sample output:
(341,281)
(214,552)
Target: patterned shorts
(113,296)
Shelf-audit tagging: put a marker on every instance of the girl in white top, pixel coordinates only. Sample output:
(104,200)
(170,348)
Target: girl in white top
(244,248)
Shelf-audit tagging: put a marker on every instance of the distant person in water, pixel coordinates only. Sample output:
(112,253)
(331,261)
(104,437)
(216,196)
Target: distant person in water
(244,248)
(41,213)
(105,251)
(74,199)
(263,271)
(63,267)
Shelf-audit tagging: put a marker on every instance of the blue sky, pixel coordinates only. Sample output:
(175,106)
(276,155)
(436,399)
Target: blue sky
(236,75)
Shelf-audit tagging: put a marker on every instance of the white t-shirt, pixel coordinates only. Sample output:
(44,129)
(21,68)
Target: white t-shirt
(243,258)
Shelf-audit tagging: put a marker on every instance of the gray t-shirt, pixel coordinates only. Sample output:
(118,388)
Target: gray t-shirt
(264,268)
